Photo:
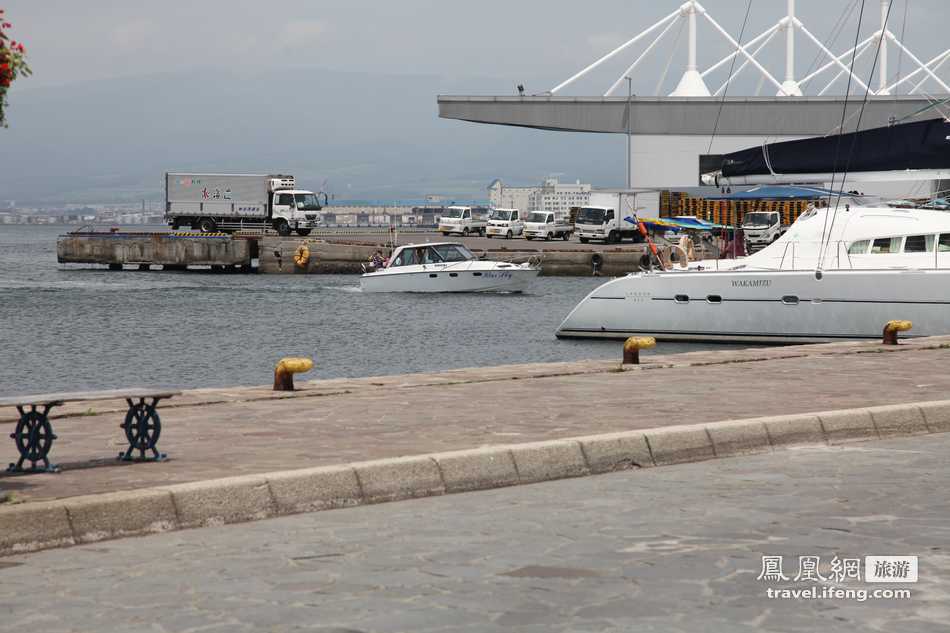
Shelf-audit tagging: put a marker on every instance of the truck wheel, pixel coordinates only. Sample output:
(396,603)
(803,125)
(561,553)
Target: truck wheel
(547,238)
(508,235)
(303,232)
(584,240)
(528,237)
(482,232)
(465,231)
(282,227)
(488,236)
(565,236)
(207,225)
(613,237)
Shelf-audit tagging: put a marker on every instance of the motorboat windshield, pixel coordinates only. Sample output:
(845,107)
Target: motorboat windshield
(416,255)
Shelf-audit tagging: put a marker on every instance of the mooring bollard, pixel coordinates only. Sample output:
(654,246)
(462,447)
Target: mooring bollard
(892,328)
(285,370)
(632,347)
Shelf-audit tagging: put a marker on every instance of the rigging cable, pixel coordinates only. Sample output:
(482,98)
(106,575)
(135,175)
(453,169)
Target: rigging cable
(854,139)
(729,77)
(844,111)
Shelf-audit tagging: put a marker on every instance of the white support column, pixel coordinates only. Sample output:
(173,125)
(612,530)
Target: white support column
(790,87)
(691,84)
(882,55)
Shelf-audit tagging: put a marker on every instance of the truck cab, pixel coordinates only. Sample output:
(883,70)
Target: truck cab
(505,223)
(462,221)
(295,209)
(761,228)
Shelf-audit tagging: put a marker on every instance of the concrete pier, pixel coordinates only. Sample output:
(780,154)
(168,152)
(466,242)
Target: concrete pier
(327,254)
(173,251)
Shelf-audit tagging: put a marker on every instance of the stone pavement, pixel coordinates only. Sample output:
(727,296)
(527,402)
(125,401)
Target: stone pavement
(662,549)
(214,433)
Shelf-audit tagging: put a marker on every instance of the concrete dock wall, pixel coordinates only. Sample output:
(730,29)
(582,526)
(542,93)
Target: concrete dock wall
(160,249)
(277,256)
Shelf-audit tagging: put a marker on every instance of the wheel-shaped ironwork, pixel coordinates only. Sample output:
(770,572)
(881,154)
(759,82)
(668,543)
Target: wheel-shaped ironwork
(33,436)
(142,428)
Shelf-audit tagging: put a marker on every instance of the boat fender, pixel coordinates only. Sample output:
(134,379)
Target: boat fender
(302,256)
(596,262)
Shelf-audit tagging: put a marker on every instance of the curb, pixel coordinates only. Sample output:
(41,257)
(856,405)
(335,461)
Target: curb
(46,524)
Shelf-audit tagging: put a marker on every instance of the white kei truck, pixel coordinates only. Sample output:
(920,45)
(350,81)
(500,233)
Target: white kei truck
(505,223)
(546,225)
(462,221)
(233,202)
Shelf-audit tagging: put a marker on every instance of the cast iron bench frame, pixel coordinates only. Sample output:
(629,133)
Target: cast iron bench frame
(34,435)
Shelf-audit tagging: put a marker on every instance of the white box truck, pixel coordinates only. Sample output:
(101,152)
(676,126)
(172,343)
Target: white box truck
(228,202)
(610,216)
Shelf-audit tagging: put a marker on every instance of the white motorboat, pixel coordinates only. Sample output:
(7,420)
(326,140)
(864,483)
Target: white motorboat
(447,267)
(834,275)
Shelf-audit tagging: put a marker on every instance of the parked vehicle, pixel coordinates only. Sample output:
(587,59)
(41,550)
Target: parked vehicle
(504,223)
(761,228)
(609,216)
(546,226)
(447,267)
(462,221)
(227,202)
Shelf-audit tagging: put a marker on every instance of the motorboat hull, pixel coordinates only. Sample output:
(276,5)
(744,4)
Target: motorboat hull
(764,306)
(451,279)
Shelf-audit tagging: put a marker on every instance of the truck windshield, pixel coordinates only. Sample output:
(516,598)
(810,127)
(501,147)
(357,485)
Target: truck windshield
(307,202)
(590,216)
(452,213)
(500,215)
(759,219)
(538,217)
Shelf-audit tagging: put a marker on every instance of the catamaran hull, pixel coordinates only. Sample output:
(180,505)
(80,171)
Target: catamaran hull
(509,280)
(773,307)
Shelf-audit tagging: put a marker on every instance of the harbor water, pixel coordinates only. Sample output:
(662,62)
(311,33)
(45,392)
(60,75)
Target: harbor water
(71,328)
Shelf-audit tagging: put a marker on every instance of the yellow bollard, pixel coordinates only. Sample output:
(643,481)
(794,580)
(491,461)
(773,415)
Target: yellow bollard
(892,328)
(632,347)
(285,370)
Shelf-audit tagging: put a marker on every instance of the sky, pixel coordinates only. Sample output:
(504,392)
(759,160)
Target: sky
(484,47)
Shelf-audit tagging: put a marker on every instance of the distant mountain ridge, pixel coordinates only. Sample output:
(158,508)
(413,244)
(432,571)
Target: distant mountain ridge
(370,136)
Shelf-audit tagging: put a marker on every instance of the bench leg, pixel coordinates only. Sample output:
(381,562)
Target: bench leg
(34,438)
(142,428)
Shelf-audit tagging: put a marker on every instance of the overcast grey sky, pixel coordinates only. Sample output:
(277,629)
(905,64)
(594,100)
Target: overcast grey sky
(534,41)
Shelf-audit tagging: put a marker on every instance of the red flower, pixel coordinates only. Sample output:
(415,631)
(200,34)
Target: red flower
(6,25)
(21,48)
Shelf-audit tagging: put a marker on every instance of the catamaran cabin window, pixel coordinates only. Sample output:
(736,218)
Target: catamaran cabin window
(859,248)
(886,245)
(919,244)
(943,244)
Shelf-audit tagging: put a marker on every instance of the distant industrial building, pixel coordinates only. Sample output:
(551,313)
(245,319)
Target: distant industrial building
(550,195)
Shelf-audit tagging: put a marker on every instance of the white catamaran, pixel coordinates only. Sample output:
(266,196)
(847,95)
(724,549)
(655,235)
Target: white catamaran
(841,271)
